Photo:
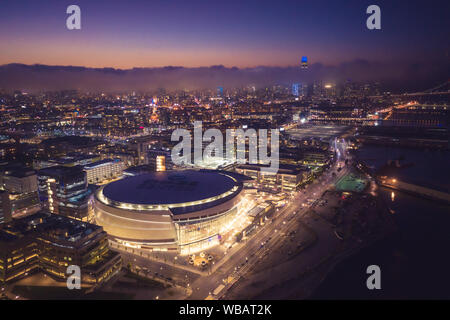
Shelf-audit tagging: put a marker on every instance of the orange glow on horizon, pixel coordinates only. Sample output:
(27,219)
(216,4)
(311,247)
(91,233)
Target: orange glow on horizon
(94,55)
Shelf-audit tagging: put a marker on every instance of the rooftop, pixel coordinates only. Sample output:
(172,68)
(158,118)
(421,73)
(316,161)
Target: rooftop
(169,187)
(100,163)
(20,173)
(282,168)
(56,227)
(58,171)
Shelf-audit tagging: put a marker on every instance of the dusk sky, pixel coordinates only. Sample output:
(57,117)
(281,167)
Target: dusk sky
(245,33)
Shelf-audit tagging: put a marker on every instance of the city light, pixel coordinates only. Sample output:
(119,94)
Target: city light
(223,151)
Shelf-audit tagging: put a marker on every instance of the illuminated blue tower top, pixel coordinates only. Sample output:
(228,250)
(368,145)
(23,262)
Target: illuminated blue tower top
(304,62)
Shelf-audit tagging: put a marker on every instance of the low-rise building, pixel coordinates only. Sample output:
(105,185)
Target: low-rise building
(287,178)
(22,186)
(102,170)
(50,243)
(20,181)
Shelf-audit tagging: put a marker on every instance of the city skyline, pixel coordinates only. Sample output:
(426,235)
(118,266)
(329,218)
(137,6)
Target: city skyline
(244,151)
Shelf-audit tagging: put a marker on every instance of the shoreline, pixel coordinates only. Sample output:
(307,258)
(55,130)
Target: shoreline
(342,258)
(303,285)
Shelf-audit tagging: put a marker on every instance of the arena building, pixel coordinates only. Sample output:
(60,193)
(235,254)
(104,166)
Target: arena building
(187,211)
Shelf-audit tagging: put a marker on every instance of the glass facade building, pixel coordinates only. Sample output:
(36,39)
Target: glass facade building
(65,191)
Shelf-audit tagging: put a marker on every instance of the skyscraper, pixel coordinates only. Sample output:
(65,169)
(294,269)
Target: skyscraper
(295,89)
(304,62)
(220,91)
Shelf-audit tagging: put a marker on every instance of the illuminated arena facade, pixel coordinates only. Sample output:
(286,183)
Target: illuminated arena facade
(187,211)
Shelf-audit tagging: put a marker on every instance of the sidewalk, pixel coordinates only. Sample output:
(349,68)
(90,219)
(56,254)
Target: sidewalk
(150,256)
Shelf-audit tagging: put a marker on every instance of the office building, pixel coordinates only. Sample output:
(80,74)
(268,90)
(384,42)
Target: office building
(5,207)
(296,89)
(22,187)
(103,170)
(20,181)
(64,191)
(287,178)
(50,243)
(304,62)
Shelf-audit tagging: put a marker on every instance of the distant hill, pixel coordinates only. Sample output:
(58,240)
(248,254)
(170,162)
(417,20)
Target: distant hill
(397,77)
